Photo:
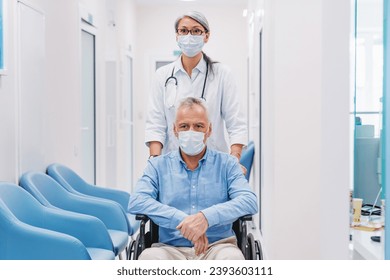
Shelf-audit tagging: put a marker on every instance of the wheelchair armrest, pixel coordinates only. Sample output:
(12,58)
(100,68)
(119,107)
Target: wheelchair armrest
(145,238)
(141,217)
(246,218)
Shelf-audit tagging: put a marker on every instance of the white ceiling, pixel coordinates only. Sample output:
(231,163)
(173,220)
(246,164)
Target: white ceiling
(197,2)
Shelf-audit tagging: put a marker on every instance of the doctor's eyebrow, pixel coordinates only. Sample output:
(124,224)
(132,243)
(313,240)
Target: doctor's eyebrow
(199,26)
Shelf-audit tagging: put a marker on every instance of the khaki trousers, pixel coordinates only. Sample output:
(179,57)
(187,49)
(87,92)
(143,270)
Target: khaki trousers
(224,249)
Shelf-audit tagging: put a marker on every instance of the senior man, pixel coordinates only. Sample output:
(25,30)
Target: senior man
(193,194)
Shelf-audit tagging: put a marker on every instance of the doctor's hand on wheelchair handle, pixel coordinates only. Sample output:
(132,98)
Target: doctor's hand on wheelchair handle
(244,170)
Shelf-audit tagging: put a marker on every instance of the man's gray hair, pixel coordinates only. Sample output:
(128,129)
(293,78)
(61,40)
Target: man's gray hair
(189,102)
(197,16)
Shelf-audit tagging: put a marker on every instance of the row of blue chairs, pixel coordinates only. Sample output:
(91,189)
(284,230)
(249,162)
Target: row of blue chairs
(59,215)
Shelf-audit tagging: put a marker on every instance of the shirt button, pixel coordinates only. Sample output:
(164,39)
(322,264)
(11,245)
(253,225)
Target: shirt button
(193,206)
(193,187)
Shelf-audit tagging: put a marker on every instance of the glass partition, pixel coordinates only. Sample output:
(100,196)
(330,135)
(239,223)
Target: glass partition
(367,119)
(386,122)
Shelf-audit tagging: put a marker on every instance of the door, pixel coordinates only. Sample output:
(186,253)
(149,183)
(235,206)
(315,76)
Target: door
(128,117)
(88,116)
(31,84)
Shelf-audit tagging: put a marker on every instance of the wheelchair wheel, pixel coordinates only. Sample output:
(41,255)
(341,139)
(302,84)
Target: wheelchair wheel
(251,248)
(141,245)
(259,251)
(131,250)
(137,248)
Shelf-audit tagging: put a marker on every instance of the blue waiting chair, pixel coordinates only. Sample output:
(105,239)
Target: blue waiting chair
(31,231)
(247,158)
(72,182)
(51,194)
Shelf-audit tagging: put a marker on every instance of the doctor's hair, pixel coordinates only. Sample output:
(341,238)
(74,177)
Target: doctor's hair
(189,102)
(197,16)
(209,62)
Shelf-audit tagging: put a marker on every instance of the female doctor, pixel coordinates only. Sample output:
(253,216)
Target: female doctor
(194,74)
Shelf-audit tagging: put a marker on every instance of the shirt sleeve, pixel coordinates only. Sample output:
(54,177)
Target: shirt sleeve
(232,113)
(144,201)
(241,200)
(156,125)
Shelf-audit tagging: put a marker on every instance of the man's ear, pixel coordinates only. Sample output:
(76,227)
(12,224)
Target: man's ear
(210,130)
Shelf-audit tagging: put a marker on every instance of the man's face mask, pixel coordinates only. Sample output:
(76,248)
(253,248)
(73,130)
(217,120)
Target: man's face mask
(191,142)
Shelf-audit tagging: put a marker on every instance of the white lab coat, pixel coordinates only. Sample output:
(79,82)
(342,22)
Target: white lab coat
(222,99)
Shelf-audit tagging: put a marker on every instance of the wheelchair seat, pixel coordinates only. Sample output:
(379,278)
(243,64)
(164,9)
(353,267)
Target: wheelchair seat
(250,248)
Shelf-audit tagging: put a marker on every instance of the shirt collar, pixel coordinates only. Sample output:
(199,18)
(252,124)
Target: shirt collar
(201,66)
(201,161)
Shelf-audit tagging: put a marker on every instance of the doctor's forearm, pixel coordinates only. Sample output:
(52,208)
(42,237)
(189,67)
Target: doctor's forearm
(236,150)
(155,148)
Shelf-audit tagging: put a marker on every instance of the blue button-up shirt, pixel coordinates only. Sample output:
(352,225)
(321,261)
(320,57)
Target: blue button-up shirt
(168,192)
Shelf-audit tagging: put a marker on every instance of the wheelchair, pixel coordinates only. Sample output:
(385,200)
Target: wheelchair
(250,248)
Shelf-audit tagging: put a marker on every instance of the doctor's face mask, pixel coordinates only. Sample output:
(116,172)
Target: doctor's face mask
(190,45)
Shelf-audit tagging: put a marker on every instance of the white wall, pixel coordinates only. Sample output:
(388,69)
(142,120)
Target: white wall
(126,44)
(63,82)
(62,132)
(156,40)
(8,156)
(305,127)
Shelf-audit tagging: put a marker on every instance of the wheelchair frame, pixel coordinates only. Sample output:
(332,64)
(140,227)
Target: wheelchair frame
(250,248)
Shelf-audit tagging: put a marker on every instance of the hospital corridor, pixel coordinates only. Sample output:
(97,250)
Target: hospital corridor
(194,129)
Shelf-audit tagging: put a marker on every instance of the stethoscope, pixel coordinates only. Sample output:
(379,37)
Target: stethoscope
(171,99)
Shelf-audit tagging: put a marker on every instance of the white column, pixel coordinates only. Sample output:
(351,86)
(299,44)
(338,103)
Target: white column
(305,129)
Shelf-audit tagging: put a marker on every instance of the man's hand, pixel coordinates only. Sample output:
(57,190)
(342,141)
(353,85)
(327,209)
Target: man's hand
(201,245)
(193,226)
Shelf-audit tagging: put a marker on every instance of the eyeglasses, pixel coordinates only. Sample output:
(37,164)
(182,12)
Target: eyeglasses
(195,31)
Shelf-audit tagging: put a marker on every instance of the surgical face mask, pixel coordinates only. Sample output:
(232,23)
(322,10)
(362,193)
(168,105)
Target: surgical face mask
(191,142)
(190,45)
